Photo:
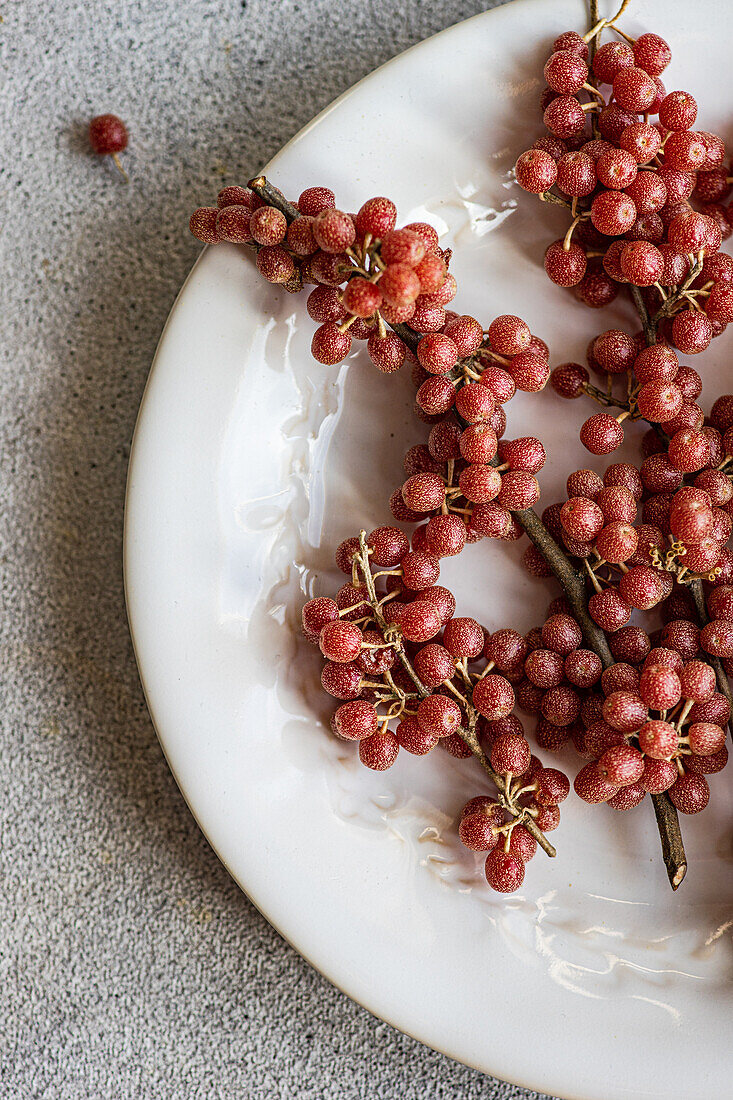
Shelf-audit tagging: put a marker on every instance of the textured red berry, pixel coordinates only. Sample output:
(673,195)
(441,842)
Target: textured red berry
(107,134)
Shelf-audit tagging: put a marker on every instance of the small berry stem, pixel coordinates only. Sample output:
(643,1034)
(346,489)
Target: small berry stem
(118,166)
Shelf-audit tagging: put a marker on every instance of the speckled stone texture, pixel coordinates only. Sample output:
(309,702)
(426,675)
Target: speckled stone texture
(131,965)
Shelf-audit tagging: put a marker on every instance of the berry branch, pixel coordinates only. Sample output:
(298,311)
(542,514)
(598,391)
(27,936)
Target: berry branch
(571,581)
(506,794)
(647,710)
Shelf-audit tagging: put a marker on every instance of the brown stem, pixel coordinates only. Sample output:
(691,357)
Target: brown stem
(668,822)
(264,190)
(673,849)
(571,581)
(649,327)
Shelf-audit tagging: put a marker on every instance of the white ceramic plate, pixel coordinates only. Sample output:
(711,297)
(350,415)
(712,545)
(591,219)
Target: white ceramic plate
(251,462)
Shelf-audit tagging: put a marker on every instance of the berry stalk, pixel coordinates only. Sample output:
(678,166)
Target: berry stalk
(466,732)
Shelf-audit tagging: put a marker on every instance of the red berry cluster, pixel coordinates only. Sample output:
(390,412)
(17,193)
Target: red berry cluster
(468,479)
(639,563)
(646,709)
(368,274)
(649,723)
(630,184)
(410,674)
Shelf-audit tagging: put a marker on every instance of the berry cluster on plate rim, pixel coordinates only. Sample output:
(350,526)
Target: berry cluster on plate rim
(629,664)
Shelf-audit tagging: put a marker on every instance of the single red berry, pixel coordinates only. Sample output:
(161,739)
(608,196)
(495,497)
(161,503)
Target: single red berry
(652,53)
(510,754)
(108,135)
(689,450)
(504,871)
(634,90)
(613,213)
(660,687)
(706,738)
(386,352)
(329,345)
(641,263)
(610,59)
(509,335)
(658,775)
(642,142)
(716,638)
(678,111)
(315,199)
(648,191)
(601,434)
(576,174)
(564,117)
(565,266)
(478,831)
(529,371)
(493,696)
(333,230)
(544,668)
(565,72)
(445,536)
(536,171)
(275,264)
(616,169)
(202,224)
(379,751)
(591,786)
(232,224)
(356,720)
(569,379)
(685,150)
(316,613)
(439,715)
(690,793)
(413,738)
(376,217)
(621,765)
(362,297)
(609,610)
(267,225)
(437,353)
(625,711)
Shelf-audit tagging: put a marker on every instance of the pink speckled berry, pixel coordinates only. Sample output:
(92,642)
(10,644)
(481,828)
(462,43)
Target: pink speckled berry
(601,434)
(504,871)
(536,171)
(613,213)
(609,610)
(439,715)
(493,696)
(660,687)
(565,266)
(690,793)
(591,786)
(621,765)
(356,720)
(625,711)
